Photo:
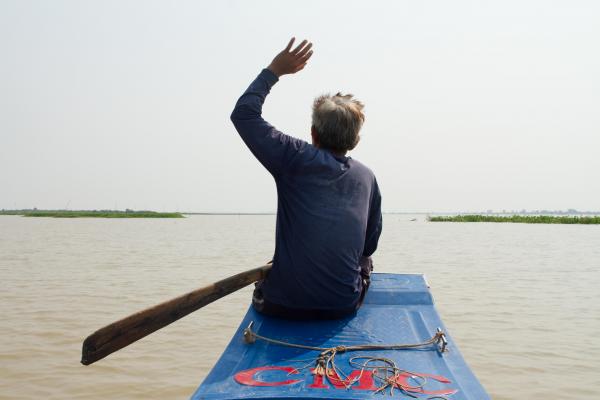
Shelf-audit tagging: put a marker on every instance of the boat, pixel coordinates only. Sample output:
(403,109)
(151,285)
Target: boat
(396,345)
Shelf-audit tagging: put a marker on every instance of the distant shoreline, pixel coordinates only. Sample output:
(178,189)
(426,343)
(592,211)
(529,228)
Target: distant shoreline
(432,215)
(523,219)
(92,214)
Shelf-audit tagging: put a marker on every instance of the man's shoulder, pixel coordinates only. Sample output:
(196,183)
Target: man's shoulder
(360,167)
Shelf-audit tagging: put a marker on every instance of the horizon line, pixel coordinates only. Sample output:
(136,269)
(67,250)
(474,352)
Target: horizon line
(522,211)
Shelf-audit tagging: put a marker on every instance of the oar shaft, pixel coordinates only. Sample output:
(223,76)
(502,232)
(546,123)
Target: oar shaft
(122,333)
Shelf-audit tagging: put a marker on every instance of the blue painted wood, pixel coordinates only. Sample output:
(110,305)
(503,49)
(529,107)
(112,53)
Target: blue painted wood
(397,309)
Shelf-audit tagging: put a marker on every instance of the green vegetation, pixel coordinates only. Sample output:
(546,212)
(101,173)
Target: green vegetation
(92,214)
(527,219)
(12,212)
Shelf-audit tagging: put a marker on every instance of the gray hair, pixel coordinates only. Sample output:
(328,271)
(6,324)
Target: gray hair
(337,120)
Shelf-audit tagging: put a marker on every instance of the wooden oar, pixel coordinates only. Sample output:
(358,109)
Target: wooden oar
(122,333)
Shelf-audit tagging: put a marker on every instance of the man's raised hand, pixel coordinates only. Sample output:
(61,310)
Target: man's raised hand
(290,61)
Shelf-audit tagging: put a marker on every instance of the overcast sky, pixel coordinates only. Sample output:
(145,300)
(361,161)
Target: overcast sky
(470,105)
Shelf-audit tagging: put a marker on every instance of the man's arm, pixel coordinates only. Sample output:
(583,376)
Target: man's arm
(270,146)
(374,223)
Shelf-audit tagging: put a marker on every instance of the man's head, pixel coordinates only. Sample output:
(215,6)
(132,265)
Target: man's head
(336,121)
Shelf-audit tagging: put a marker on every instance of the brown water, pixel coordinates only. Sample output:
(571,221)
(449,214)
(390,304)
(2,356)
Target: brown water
(522,301)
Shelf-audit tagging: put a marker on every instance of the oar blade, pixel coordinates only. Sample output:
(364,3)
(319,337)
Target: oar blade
(122,333)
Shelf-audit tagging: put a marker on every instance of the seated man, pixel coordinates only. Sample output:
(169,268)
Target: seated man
(329,205)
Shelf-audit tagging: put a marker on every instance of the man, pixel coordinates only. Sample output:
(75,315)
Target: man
(329,205)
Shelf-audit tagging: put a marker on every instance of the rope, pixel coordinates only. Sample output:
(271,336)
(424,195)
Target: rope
(387,373)
(439,338)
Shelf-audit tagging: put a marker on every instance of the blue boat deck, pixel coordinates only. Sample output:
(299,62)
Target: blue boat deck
(398,309)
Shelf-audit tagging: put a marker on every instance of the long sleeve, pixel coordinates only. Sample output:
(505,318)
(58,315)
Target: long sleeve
(374,224)
(270,146)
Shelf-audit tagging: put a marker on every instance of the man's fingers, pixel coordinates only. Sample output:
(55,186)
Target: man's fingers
(305,50)
(300,46)
(289,45)
(299,67)
(305,58)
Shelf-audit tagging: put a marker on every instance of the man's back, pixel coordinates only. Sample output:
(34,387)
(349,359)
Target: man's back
(322,223)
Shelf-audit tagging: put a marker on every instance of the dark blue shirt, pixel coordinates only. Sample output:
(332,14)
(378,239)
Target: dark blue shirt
(328,211)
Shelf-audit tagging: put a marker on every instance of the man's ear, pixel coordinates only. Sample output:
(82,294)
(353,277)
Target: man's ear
(315,136)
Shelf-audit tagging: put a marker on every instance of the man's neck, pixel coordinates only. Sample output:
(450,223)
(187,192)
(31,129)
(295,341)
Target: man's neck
(335,153)
(340,154)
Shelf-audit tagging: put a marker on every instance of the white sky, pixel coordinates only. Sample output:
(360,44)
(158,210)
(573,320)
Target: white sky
(470,105)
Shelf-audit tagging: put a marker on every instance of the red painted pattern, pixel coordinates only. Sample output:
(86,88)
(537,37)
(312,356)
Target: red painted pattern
(365,380)
(248,377)
(403,378)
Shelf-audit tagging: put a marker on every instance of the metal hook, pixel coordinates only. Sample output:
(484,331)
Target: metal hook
(249,336)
